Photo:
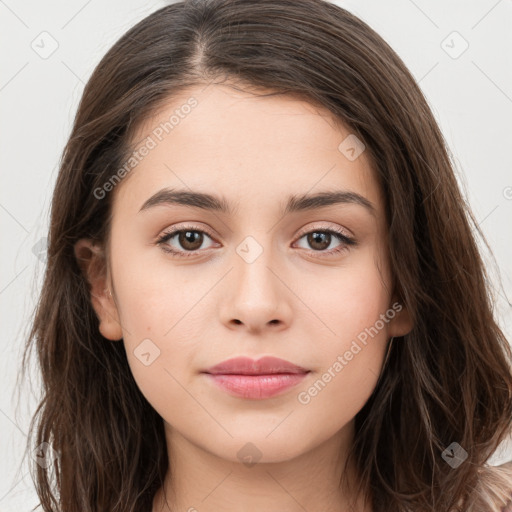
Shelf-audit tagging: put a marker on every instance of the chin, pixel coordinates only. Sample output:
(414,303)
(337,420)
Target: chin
(258,447)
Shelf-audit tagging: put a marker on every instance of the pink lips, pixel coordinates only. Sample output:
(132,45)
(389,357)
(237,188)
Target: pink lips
(264,378)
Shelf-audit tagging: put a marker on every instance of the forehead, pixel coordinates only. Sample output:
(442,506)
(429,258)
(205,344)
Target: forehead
(244,145)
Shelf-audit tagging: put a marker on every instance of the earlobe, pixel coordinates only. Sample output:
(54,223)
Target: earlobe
(402,323)
(92,262)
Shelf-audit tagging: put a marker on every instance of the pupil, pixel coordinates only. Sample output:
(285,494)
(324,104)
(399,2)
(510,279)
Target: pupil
(316,238)
(190,237)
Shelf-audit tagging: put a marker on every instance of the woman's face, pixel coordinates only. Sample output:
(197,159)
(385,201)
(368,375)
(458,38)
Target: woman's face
(263,276)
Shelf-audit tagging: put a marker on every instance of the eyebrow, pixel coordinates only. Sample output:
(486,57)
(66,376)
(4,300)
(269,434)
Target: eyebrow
(295,203)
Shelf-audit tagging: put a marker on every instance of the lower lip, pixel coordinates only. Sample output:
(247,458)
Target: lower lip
(257,387)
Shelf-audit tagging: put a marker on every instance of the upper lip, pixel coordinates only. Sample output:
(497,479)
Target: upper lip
(247,366)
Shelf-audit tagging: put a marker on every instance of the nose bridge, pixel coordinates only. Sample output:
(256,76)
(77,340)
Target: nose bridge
(256,295)
(253,277)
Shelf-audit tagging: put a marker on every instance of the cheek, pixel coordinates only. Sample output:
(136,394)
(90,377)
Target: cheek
(348,359)
(347,300)
(336,393)
(162,347)
(353,306)
(155,296)
(158,310)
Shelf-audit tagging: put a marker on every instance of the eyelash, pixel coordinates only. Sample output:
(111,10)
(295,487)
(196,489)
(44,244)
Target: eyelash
(166,236)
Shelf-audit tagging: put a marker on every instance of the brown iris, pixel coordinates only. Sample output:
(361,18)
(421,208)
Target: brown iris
(190,240)
(321,240)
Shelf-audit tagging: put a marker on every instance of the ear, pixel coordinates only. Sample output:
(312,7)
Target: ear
(401,324)
(91,259)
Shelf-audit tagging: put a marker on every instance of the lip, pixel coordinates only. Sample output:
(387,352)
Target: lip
(247,366)
(264,378)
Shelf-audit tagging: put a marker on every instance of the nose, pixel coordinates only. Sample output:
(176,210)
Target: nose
(256,296)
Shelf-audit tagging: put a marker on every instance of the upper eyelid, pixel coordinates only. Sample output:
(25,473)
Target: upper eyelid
(306,230)
(191,227)
(302,231)
(172,232)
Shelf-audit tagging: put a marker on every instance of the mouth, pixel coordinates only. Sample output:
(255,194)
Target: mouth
(257,380)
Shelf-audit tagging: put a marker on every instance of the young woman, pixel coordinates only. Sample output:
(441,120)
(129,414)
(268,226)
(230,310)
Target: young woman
(263,288)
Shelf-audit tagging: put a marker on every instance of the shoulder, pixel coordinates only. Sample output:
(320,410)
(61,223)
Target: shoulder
(502,486)
(493,490)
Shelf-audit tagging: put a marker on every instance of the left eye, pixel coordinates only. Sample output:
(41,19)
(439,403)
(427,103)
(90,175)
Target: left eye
(321,239)
(191,240)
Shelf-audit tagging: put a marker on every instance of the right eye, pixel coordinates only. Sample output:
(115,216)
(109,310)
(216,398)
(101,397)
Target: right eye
(190,238)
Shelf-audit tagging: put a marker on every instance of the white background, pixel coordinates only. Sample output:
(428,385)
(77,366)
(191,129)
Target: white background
(471,97)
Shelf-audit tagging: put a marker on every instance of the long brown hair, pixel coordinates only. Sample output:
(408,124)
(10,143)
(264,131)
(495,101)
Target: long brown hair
(448,380)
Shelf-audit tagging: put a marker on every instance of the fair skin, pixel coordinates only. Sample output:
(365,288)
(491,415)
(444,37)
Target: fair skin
(295,301)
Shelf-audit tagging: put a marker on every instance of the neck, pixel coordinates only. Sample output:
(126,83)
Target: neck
(199,481)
